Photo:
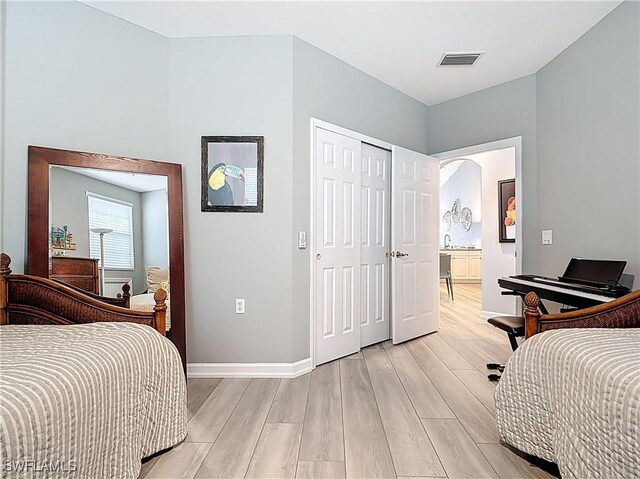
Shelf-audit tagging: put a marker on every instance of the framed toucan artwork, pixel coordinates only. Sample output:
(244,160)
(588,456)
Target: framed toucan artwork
(232,173)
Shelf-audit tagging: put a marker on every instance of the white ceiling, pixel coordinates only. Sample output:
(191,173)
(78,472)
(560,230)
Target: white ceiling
(132,181)
(398,42)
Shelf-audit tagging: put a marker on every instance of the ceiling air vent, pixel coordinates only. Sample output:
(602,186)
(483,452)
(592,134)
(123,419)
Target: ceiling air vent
(459,59)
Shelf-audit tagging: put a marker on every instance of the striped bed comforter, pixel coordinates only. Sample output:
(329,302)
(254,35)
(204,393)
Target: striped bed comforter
(573,397)
(87,401)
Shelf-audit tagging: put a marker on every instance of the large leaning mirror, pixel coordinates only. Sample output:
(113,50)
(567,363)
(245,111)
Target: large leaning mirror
(98,222)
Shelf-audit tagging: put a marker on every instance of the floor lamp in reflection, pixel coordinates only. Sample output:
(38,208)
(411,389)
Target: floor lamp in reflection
(101,232)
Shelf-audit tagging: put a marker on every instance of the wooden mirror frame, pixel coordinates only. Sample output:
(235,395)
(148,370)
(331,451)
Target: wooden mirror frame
(41,158)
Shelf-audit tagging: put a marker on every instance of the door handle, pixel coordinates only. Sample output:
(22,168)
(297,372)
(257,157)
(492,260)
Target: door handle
(400,254)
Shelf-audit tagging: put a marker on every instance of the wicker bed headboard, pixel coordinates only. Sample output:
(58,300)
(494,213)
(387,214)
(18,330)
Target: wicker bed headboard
(623,312)
(26,299)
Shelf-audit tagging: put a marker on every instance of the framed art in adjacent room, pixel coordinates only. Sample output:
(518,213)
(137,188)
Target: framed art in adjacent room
(232,173)
(507,211)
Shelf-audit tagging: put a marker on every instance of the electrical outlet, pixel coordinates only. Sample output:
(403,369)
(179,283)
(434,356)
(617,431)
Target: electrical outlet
(239,306)
(547,237)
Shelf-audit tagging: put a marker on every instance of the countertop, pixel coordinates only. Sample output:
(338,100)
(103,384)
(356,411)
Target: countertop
(459,249)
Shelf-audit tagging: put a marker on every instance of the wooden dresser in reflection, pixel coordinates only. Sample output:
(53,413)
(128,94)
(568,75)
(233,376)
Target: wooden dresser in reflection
(79,272)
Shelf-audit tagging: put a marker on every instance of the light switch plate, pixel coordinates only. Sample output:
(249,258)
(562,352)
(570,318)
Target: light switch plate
(547,237)
(302,239)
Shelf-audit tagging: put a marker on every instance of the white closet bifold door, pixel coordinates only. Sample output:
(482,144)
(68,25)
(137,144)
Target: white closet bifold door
(337,245)
(375,237)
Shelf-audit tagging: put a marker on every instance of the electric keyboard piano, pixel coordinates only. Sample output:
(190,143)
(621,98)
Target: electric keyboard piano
(571,294)
(585,283)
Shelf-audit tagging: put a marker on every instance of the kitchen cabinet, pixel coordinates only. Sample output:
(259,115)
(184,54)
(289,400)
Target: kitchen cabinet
(466,265)
(475,265)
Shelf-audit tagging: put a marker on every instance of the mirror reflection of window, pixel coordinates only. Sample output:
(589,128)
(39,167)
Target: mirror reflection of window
(117,215)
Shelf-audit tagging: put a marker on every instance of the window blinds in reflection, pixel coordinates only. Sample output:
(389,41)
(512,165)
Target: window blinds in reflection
(118,245)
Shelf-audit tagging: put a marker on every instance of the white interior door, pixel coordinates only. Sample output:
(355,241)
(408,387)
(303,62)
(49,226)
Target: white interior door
(414,239)
(337,242)
(375,239)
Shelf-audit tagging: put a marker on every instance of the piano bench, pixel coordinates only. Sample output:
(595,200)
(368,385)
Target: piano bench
(514,327)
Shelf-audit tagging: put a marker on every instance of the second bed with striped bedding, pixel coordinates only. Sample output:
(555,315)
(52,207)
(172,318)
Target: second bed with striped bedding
(572,396)
(87,401)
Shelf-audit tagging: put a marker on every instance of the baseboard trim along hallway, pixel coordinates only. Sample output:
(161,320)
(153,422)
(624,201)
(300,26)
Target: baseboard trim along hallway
(249,370)
(491,314)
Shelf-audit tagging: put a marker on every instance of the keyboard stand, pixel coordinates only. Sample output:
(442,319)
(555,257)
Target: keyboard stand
(541,306)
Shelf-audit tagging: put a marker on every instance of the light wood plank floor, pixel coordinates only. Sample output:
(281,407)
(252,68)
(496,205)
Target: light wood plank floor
(419,409)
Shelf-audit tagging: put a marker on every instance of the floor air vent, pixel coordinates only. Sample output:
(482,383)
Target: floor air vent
(459,59)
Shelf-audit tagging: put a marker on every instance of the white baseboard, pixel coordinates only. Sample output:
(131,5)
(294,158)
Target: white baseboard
(249,370)
(491,314)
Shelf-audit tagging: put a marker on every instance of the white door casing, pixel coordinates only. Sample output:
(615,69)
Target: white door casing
(337,245)
(414,234)
(375,239)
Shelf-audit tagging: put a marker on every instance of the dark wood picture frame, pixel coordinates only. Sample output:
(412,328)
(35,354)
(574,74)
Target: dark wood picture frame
(205,204)
(41,158)
(506,190)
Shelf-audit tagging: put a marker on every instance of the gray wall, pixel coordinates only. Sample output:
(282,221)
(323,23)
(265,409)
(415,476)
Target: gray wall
(331,90)
(77,79)
(588,108)
(155,229)
(236,86)
(578,118)
(250,90)
(499,112)
(69,206)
